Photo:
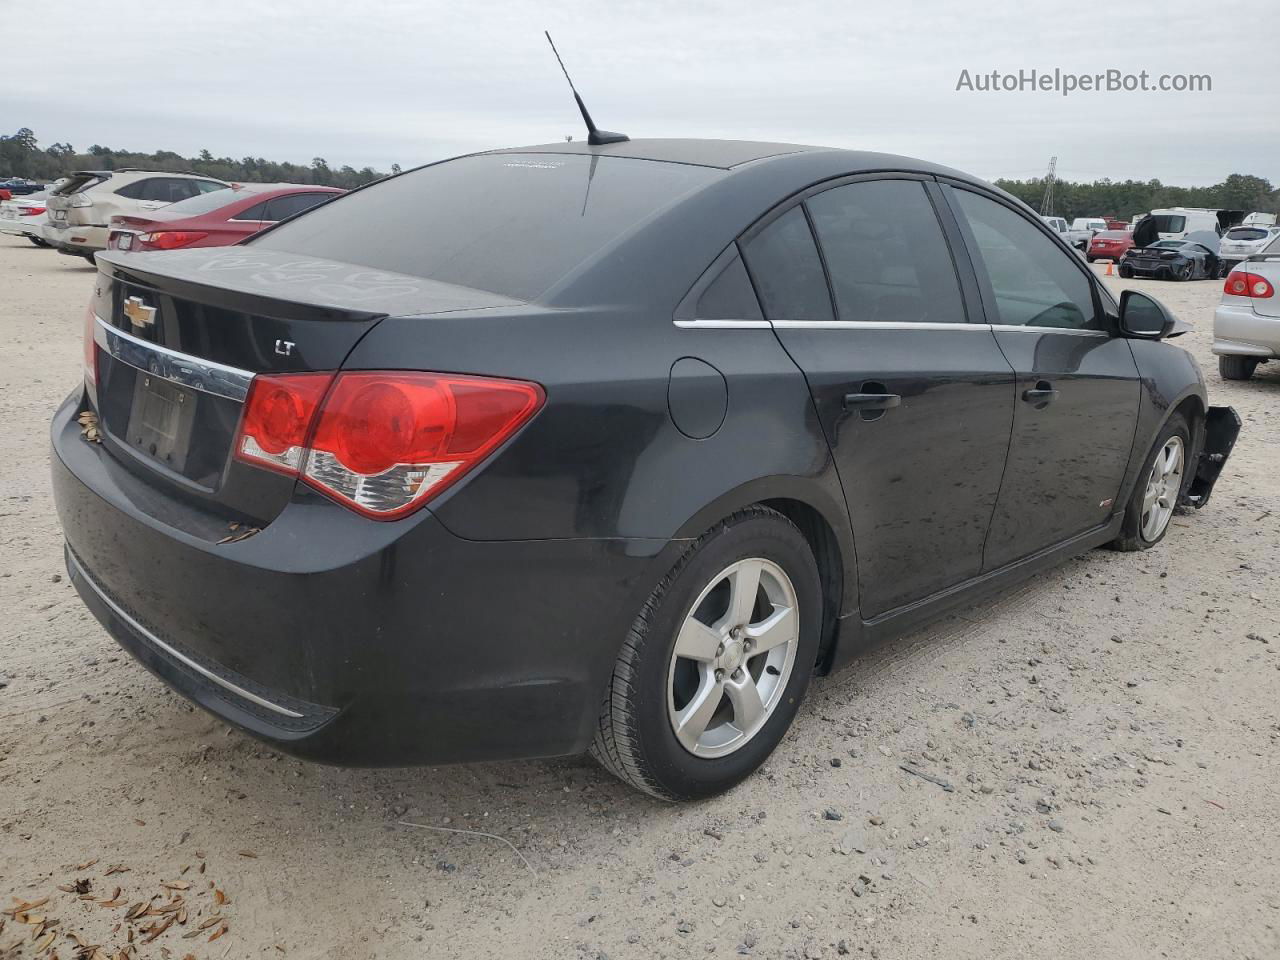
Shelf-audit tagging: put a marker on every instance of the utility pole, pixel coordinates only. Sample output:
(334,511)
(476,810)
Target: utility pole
(1046,205)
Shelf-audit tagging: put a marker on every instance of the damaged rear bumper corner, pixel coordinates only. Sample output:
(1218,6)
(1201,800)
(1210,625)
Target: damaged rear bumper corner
(1221,428)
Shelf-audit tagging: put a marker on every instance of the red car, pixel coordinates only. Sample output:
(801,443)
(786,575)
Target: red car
(216,219)
(1109,245)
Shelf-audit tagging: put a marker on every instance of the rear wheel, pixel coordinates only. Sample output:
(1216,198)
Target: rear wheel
(1126,272)
(1159,487)
(1237,368)
(714,667)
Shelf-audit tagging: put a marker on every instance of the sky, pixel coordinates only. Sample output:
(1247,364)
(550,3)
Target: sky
(376,82)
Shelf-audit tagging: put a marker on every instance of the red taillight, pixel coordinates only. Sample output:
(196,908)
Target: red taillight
(1242,283)
(380,443)
(90,346)
(172,239)
(30,211)
(278,414)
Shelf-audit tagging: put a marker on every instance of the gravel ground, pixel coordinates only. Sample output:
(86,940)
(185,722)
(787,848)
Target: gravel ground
(1107,734)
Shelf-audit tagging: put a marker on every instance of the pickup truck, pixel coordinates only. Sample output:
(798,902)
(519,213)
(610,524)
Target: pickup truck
(1082,231)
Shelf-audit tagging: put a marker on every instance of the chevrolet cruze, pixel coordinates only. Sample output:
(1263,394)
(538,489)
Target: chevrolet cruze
(603,448)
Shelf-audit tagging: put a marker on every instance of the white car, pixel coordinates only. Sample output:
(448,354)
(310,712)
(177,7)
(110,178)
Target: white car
(1082,231)
(81,209)
(1246,325)
(1240,242)
(25,217)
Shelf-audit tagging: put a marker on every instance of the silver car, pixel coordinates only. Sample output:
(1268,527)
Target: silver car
(1239,242)
(1246,325)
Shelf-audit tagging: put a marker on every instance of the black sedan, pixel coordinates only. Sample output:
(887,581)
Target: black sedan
(606,448)
(1171,260)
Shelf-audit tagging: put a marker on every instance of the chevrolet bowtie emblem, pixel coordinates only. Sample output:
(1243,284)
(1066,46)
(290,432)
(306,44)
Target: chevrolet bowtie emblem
(139,314)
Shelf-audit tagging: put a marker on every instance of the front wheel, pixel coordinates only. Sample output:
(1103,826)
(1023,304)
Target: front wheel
(716,664)
(1159,487)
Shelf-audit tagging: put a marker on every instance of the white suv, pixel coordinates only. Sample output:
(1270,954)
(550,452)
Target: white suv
(80,210)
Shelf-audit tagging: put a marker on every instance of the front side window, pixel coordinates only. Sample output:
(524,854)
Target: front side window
(1035,282)
(787,271)
(885,252)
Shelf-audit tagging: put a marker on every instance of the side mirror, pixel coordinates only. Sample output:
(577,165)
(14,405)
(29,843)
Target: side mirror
(1143,317)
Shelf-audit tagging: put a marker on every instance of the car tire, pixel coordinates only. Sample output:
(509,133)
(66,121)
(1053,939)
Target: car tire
(1092,259)
(653,687)
(38,242)
(1126,273)
(91,258)
(1237,368)
(1140,530)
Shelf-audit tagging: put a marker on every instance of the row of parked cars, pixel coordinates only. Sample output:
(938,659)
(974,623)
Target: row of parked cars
(96,210)
(1179,243)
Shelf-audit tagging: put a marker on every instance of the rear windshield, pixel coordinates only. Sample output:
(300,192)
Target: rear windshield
(512,224)
(78,182)
(1246,233)
(204,202)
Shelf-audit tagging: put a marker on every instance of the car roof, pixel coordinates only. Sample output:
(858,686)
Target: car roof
(728,154)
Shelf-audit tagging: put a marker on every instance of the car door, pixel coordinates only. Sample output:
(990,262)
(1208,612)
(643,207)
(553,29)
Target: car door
(1077,384)
(916,402)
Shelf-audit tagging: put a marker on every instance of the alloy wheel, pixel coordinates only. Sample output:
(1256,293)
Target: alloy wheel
(1163,486)
(733,656)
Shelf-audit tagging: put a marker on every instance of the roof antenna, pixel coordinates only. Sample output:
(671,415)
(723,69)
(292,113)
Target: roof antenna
(595,137)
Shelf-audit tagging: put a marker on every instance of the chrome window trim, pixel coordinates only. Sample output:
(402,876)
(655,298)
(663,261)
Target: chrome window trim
(1024,328)
(194,373)
(876,325)
(182,658)
(723,324)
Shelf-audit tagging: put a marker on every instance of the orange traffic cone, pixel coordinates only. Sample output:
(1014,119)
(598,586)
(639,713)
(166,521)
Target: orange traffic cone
(1110,272)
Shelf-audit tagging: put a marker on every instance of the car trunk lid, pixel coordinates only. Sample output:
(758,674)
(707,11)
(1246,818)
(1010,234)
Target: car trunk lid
(180,335)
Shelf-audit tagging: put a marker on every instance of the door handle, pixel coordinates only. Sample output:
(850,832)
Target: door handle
(871,401)
(1041,395)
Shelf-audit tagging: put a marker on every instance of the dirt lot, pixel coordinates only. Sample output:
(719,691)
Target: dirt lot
(1109,733)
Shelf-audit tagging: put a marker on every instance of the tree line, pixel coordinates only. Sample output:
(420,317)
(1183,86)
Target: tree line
(1124,199)
(22,156)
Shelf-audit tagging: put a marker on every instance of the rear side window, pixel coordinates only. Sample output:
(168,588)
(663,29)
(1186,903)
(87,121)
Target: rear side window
(1169,223)
(729,296)
(885,252)
(512,224)
(787,270)
(257,212)
(282,207)
(1034,281)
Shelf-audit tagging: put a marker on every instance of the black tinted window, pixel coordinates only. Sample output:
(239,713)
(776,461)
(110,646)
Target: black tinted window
(133,190)
(282,207)
(787,271)
(507,223)
(729,296)
(1035,282)
(165,189)
(884,248)
(257,212)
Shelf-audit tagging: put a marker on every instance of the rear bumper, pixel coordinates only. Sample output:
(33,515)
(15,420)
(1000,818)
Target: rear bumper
(76,239)
(1239,331)
(346,640)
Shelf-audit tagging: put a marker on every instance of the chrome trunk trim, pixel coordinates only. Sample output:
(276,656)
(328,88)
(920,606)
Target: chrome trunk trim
(183,369)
